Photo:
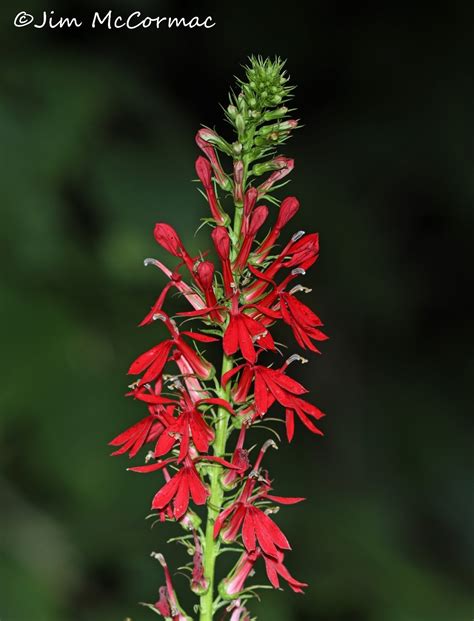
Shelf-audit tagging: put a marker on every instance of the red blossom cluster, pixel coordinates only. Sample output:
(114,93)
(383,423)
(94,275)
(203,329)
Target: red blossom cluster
(192,411)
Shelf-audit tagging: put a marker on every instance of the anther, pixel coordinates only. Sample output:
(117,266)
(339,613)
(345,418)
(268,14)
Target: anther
(298,236)
(298,271)
(300,288)
(150,261)
(295,358)
(159,557)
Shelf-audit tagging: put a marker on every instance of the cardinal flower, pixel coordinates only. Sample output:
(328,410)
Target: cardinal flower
(183,486)
(148,429)
(234,584)
(258,218)
(199,584)
(250,199)
(272,385)
(284,166)
(243,332)
(244,516)
(275,569)
(205,279)
(287,211)
(304,323)
(169,239)
(300,252)
(153,361)
(168,606)
(221,240)
(205,139)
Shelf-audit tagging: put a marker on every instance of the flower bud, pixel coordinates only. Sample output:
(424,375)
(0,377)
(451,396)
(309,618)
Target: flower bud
(272,115)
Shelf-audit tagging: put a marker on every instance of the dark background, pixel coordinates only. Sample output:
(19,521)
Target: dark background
(97,145)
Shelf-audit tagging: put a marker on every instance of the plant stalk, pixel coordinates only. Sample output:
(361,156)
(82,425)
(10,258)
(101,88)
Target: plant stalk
(211,546)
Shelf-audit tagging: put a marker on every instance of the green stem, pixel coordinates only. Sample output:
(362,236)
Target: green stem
(211,546)
(216,497)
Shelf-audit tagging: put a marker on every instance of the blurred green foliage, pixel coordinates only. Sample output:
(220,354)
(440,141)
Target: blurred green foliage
(97,137)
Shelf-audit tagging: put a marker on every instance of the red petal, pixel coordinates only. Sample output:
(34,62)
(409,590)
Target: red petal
(283,500)
(248,532)
(144,361)
(290,424)
(197,487)
(167,492)
(216,401)
(181,500)
(203,338)
(227,376)
(152,467)
(230,342)
(245,340)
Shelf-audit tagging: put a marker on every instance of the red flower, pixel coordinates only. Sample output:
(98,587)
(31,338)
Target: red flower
(205,279)
(250,199)
(221,240)
(168,606)
(275,569)
(233,585)
(204,172)
(302,321)
(205,138)
(242,333)
(238,179)
(272,385)
(193,298)
(284,166)
(243,516)
(168,239)
(154,360)
(199,584)
(185,484)
(258,218)
(146,430)
(288,209)
(300,253)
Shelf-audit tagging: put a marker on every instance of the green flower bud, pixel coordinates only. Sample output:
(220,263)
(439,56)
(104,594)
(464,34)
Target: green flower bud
(237,148)
(232,111)
(240,123)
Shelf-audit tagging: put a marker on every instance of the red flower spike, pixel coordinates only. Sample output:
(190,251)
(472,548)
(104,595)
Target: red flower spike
(253,289)
(204,172)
